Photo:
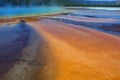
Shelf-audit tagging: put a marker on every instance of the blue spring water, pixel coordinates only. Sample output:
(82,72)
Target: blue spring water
(7,12)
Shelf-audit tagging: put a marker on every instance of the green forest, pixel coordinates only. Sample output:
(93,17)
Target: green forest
(50,2)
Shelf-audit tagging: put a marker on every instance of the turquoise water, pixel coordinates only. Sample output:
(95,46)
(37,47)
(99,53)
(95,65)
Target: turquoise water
(7,12)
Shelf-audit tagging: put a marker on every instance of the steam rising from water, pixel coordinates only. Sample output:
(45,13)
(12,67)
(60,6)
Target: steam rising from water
(22,8)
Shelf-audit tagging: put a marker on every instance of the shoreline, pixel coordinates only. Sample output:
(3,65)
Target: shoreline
(31,18)
(66,47)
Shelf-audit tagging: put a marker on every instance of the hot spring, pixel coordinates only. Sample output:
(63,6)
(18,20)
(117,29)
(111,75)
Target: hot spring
(11,12)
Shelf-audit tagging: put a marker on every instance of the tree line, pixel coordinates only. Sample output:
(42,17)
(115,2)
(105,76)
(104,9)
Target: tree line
(24,2)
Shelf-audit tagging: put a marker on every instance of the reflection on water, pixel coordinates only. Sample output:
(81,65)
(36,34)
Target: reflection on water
(92,18)
(13,38)
(98,13)
(104,8)
(113,28)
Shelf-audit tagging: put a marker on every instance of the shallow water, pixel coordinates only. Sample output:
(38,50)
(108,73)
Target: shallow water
(94,17)
(6,12)
(23,45)
(105,8)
